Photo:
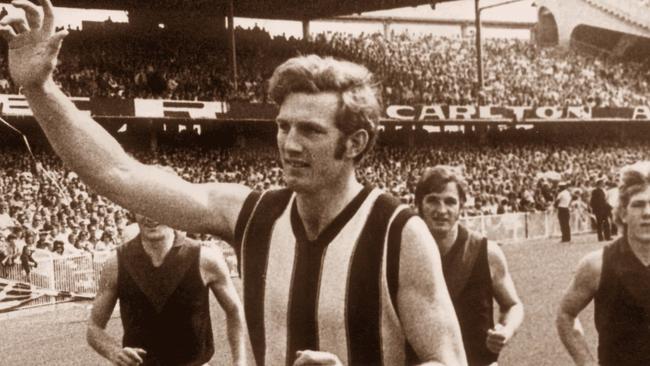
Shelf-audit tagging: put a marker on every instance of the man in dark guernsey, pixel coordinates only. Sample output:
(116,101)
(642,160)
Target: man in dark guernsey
(162,281)
(617,279)
(475,268)
(333,272)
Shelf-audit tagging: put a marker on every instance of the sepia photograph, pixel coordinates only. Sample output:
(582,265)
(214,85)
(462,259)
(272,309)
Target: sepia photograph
(325,182)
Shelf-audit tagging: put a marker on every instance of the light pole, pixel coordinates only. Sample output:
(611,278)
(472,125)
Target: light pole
(479,44)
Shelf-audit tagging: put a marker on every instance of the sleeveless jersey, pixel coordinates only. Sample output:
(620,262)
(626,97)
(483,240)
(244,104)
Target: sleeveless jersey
(622,308)
(467,274)
(336,293)
(165,310)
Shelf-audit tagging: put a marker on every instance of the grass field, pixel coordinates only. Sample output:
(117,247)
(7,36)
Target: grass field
(541,270)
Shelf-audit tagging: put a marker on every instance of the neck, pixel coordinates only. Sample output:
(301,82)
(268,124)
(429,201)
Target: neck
(320,208)
(158,249)
(446,240)
(641,250)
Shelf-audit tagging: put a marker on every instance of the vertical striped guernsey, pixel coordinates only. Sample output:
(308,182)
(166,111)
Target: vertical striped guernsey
(336,293)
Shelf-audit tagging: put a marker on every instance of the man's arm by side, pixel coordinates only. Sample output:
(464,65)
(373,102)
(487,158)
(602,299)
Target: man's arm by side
(216,275)
(425,308)
(95,155)
(581,291)
(96,335)
(505,293)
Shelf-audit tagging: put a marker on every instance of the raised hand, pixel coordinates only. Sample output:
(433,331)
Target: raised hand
(33,43)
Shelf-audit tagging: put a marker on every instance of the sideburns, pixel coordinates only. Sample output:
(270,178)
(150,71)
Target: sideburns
(339,150)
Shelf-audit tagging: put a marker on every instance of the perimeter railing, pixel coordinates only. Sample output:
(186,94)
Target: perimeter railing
(81,272)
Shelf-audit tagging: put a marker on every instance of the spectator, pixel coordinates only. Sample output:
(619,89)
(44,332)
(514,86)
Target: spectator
(26,259)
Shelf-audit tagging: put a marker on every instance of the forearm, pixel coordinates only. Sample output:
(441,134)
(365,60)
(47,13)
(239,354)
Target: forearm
(81,142)
(102,342)
(512,318)
(573,338)
(236,338)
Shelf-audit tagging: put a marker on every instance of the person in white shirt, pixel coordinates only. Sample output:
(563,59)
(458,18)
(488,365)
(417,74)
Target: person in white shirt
(562,202)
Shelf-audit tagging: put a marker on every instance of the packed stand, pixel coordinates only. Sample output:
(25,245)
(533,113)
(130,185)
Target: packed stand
(47,209)
(114,61)
(442,70)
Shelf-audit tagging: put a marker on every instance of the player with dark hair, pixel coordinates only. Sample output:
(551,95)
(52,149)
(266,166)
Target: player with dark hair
(333,272)
(162,281)
(616,279)
(475,268)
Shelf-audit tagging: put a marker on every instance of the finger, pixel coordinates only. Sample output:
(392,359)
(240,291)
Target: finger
(56,40)
(140,351)
(18,23)
(32,13)
(302,358)
(495,347)
(48,15)
(7,32)
(133,355)
(123,360)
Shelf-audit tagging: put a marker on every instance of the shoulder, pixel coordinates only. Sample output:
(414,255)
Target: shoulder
(592,262)
(496,257)
(212,263)
(418,248)
(110,269)
(589,269)
(416,231)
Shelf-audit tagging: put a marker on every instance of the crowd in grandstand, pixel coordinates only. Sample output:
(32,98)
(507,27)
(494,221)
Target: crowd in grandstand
(442,70)
(46,208)
(413,69)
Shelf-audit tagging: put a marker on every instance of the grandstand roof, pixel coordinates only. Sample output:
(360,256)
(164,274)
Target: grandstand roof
(266,9)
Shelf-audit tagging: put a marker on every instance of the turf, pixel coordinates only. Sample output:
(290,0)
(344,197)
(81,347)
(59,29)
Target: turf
(541,270)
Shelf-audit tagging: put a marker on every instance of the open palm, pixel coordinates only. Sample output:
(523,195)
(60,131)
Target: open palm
(33,44)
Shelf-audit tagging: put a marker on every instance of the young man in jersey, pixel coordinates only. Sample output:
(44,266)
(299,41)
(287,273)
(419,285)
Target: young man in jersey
(162,281)
(291,243)
(475,268)
(616,278)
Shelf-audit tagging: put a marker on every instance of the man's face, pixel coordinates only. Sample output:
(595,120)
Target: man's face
(308,139)
(151,230)
(637,216)
(440,210)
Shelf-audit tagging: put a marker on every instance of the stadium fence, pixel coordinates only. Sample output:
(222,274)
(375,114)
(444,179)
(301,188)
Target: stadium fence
(80,273)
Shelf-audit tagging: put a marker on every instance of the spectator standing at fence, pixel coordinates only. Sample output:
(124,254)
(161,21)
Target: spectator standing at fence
(328,119)
(162,280)
(27,261)
(601,209)
(475,268)
(562,202)
(12,250)
(615,278)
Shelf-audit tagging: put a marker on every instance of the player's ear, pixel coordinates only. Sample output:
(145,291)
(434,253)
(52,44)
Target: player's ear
(356,143)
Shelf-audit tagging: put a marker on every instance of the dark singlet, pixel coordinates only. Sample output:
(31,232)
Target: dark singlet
(165,310)
(622,308)
(468,278)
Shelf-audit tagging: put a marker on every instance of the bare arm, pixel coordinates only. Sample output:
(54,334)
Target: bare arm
(581,291)
(95,155)
(217,276)
(424,305)
(510,306)
(96,335)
